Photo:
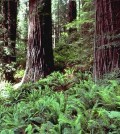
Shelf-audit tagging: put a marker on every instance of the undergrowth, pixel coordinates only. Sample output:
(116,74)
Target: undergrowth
(69,103)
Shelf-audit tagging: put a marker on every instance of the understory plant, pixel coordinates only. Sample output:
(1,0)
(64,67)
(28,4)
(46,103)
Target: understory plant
(62,103)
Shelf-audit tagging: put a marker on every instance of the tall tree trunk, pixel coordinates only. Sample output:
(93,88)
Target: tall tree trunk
(72,10)
(10,24)
(72,13)
(58,8)
(107,42)
(39,52)
(0,6)
(54,35)
(79,9)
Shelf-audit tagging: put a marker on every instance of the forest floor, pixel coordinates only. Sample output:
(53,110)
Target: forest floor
(63,103)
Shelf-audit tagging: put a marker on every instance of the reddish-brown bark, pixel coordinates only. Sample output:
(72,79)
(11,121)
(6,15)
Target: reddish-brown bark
(72,10)
(107,41)
(72,13)
(39,52)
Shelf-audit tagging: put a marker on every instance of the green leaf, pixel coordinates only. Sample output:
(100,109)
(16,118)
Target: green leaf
(114,114)
(37,120)
(29,129)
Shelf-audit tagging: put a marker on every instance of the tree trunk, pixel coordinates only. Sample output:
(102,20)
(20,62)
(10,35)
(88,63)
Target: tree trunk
(107,41)
(0,6)
(10,24)
(39,52)
(79,9)
(72,13)
(54,35)
(58,30)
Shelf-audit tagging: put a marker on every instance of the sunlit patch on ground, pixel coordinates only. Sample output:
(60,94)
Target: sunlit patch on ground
(4,89)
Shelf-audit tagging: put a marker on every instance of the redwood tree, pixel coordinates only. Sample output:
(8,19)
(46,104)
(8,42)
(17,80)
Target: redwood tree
(10,19)
(72,10)
(72,13)
(39,51)
(107,41)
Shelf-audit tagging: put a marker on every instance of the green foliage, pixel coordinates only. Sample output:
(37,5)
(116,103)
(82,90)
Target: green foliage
(22,19)
(72,50)
(6,67)
(20,54)
(62,103)
(5,88)
(68,103)
(19,74)
(22,33)
(6,51)
(65,54)
(77,47)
